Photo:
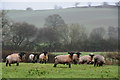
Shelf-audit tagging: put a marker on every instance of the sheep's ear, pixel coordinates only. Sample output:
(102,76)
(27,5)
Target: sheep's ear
(78,53)
(91,54)
(22,53)
(69,53)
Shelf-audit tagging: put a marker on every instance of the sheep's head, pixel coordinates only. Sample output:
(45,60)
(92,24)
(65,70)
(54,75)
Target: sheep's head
(78,54)
(91,54)
(36,56)
(22,56)
(45,53)
(92,62)
(71,53)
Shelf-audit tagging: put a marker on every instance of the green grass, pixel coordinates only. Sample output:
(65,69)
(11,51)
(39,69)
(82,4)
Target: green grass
(30,70)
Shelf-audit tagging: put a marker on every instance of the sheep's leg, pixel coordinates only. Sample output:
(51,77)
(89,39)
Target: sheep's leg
(9,64)
(82,62)
(88,62)
(55,65)
(36,61)
(42,62)
(17,64)
(94,64)
(97,64)
(75,62)
(101,64)
(69,65)
(6,64)
(45,61)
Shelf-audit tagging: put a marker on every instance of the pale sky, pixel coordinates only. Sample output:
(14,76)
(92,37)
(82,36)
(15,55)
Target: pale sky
(48,4)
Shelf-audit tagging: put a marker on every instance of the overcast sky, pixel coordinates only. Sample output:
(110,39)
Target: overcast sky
(48,4)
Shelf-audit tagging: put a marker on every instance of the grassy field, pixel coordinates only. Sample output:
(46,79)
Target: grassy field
(30,70)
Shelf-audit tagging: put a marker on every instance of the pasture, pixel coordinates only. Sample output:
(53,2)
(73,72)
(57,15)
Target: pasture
(37,70)
(30,70)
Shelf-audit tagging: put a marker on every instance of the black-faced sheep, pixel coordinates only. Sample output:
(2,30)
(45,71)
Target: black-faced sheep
(86,59)
(99,60)
(15,58)
(76,57)
(64,59)
(34,57)
(43,58)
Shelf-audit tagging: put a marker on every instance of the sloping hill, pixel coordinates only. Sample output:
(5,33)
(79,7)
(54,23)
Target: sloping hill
(89,17)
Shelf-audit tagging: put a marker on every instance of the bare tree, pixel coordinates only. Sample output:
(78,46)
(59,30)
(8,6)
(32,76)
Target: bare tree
(113,32)
(76,4)
(55,7)
(6,25)
(77,33)
(105,4)
(54,21)
(29,9)
(89,4)
(97,34)
(117,3)
(47,35)
(22,32)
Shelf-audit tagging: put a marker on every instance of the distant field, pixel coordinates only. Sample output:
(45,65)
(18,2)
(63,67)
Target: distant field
(88,17)
(30,70)
(83,53)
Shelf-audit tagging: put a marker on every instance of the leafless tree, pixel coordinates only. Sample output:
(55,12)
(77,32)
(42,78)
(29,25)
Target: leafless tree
(29,9)
(54,21)
(117,3)
(22,32)
(89,4)
(105,4)
(47,35)
(97,34)
(77,33)
(6,25)
(76,4)
(113,32)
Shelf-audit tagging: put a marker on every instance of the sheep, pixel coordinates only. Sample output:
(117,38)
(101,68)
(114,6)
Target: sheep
(99,60)
(86,59)
(15,58)
(43,57)
(34,57)
(76,57)
(64,59)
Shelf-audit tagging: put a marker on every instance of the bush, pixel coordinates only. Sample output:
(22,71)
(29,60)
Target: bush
(112,58)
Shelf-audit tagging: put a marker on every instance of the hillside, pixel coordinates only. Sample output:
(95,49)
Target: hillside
(89,17)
